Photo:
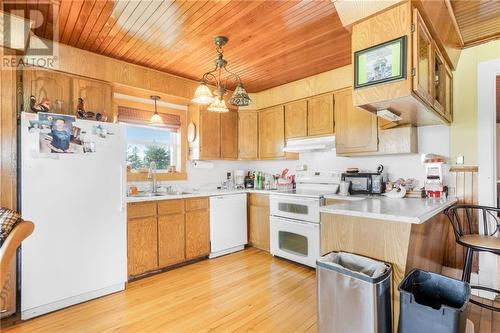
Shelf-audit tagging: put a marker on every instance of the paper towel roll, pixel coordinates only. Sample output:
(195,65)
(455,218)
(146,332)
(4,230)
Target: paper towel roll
(202,165)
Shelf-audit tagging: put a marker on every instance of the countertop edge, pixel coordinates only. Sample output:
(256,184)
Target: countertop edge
(389,217)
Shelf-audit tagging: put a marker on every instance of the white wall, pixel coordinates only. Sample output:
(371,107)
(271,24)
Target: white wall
(431,139)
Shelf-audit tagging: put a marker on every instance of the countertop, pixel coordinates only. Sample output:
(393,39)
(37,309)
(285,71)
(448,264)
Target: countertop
(408,210)
(195,194)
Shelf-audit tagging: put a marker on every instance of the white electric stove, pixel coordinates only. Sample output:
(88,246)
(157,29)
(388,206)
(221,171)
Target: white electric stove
(295,217)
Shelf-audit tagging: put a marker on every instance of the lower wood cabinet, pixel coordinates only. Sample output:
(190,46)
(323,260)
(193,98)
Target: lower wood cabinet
(197,234)
(258,221)
(171,239)
(165,233)
(142,245)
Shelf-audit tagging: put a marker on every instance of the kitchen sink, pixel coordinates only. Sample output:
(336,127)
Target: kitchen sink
(158,194)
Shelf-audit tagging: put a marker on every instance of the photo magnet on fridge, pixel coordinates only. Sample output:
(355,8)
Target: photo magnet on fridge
(61,137)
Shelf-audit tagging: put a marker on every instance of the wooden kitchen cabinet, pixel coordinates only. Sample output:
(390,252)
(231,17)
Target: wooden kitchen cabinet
(248,135)
(142,245)
(210,138)
(171,239)
(448,92)
(296,119)
(320,115)
(423,54)
(356,129)
(271,133)
(48,84)
(96,95)
(197,228)
(229,135)
(258,221)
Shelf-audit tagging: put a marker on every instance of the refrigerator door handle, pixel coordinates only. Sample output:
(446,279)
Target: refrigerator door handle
(122,194)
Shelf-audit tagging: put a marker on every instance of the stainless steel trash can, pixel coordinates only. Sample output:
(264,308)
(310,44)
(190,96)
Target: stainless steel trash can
(354,294)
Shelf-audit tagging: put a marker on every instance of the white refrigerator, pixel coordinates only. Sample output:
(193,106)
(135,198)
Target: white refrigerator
(78,250)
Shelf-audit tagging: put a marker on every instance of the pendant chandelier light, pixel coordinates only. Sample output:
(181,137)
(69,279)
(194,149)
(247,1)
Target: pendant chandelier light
(156,118)
(216,103)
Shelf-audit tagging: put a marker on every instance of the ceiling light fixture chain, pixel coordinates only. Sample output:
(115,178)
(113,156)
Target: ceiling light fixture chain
(204,96)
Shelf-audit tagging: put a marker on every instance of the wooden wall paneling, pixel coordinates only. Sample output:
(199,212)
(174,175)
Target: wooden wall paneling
(229,135)
(464,183)
(478,21)
(8,165)
(152,34)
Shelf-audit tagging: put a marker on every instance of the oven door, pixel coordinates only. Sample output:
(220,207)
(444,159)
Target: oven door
(295,240)
(295,207)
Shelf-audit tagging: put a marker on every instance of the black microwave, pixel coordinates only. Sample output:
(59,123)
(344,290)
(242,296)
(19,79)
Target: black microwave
(365,183)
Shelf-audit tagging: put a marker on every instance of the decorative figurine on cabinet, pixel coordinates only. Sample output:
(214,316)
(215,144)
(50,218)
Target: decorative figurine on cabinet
(88,115)
(43,106)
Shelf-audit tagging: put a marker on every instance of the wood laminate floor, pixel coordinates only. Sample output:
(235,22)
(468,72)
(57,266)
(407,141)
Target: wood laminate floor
(246,291)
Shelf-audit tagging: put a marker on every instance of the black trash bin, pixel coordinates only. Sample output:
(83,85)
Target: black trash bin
(431,302)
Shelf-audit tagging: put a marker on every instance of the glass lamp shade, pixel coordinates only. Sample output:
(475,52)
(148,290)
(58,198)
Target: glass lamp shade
(240,96)
(218,105)
(203,95)
(156,119)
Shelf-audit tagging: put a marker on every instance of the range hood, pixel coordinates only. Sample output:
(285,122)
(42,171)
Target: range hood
(325,143)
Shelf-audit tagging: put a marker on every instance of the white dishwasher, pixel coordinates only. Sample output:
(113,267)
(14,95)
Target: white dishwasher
(228,223)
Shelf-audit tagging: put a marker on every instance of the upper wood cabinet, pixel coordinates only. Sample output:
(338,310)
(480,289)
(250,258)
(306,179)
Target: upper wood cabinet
(229,135)
(320,115)
(423,55)
(419,97)
(63,91)
(248,135)
(209,129)
(448,98)
(96,95)
(216,134)
(296,119)
(355,128)
(271,133)
(54,86)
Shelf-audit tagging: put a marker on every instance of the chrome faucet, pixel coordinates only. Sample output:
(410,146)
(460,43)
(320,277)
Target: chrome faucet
(152,176)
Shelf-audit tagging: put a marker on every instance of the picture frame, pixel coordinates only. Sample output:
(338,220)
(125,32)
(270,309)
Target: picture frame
(381,63)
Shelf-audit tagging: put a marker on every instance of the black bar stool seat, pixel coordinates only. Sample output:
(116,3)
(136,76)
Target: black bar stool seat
(465,220)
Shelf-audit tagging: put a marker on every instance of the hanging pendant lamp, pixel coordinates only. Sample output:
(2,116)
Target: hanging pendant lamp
(204,96)
(156,118)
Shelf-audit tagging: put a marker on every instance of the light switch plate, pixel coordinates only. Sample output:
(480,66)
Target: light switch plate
(460,159)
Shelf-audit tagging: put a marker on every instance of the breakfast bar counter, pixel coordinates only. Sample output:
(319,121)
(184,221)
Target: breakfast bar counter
(407,233)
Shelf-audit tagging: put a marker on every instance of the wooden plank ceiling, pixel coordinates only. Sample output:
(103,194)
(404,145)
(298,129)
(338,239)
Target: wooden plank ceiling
(478,20)
(270,42)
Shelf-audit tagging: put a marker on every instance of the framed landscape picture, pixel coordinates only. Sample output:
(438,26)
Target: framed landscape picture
(380,63)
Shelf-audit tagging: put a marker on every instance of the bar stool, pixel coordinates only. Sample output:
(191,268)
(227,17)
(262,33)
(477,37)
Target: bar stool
(467,234)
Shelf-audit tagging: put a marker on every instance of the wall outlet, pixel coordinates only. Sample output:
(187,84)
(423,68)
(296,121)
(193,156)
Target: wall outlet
(460,159)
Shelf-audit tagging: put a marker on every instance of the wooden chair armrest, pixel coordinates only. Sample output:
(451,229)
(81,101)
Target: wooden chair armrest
(9,247)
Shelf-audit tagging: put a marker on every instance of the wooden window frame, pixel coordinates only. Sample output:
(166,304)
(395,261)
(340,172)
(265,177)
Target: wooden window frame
(143,176)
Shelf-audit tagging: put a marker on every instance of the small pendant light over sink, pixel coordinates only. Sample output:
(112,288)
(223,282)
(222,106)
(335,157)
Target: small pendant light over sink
(156,118)
(216,103)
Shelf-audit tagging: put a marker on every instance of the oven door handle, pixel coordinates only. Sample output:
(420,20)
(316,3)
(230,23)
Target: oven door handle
(311,224)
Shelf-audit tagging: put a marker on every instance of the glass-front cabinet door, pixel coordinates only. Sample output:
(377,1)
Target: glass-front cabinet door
(422,59)
(439,82)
